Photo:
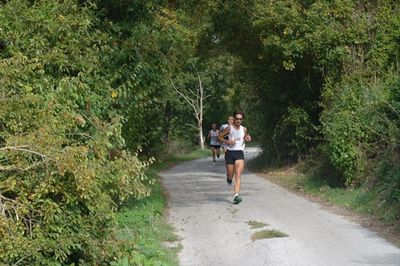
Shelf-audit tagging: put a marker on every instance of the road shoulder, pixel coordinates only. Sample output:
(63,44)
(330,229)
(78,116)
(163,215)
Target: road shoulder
(372,223)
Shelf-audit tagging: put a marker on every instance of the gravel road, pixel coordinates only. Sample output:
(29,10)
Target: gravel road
(213,231)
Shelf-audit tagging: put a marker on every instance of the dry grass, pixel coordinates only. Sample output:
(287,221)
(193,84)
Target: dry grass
(255,224)
(267,234)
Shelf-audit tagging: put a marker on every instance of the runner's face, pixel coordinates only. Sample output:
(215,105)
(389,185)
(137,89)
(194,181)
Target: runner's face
(238,119)
(230,120)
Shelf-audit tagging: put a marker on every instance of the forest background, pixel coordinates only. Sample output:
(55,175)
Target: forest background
(88,102)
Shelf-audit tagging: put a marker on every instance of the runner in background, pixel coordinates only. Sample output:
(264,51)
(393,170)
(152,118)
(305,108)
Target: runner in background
(225,146)
(214,143)
(230,122)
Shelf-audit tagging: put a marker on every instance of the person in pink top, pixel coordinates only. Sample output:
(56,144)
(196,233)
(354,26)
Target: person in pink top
(234,156)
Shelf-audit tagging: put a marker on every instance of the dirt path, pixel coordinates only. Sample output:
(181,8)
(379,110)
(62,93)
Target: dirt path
(216,232)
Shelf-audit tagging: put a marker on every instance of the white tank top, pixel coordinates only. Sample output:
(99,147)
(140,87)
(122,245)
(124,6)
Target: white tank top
(222,129)
(238,136)
(214,137)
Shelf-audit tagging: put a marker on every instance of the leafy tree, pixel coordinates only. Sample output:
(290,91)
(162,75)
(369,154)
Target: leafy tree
(63,168)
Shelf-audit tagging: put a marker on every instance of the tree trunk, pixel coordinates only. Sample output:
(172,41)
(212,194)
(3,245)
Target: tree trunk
(196,103)
(200,120)
(201,137)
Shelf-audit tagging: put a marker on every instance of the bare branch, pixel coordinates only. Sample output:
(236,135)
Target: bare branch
(191,125)
(5,198)
(13,168)
(88,119)
(194,66)
(16,147)
(83,134)
(20,260)
(392,108)
(191,102)
(194,94)
(22,148)
(196,102)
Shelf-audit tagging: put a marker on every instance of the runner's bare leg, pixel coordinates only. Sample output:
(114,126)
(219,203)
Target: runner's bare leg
(213,153)
(238,169)
(230,171)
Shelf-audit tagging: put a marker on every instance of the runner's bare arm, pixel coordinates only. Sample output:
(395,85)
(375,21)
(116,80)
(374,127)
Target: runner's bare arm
(223,134)
(247,136)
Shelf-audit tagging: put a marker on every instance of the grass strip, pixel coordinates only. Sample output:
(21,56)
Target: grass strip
(267,234)
(359,201)
(142,224)
(175,159)
(256,225)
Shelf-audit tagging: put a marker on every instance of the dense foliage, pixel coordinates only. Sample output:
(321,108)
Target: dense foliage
(86,92)
(322,83)
(64,172)
(87,98)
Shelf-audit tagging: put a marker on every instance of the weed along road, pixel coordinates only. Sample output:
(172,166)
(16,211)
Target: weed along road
(270,227)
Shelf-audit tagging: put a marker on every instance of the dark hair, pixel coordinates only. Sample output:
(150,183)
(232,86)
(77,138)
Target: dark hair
(238,113)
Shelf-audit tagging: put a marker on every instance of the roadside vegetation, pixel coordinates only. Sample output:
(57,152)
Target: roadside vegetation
(360,204)
(263,234)
(85,110)
(88,92)
(142,224)
(321,83)
(256,224)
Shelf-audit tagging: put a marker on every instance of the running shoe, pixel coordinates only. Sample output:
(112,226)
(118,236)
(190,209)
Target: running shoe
(237,199)
(229,181)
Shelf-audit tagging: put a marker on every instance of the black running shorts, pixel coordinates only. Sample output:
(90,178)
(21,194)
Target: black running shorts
(216,146)
(232,156)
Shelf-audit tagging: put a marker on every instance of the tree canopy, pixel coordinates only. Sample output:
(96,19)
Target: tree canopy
(88,102)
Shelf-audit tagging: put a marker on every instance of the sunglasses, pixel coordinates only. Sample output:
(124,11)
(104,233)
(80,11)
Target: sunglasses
(239,119)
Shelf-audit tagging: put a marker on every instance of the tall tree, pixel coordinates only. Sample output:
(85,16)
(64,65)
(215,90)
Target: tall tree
(194,97)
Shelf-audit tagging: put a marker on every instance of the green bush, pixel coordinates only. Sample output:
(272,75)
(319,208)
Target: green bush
(64,171)
(319,167)
(389,190)
(60,186)
(177,147)
(361,125)
(293,135)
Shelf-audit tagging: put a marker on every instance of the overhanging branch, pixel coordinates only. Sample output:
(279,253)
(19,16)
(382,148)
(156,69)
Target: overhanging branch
(23,149)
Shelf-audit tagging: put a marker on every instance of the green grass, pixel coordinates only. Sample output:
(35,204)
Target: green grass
(175,159)
(360,200)
(267,234)
(255,224)
(364,201)
(357,199)
(142,224)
